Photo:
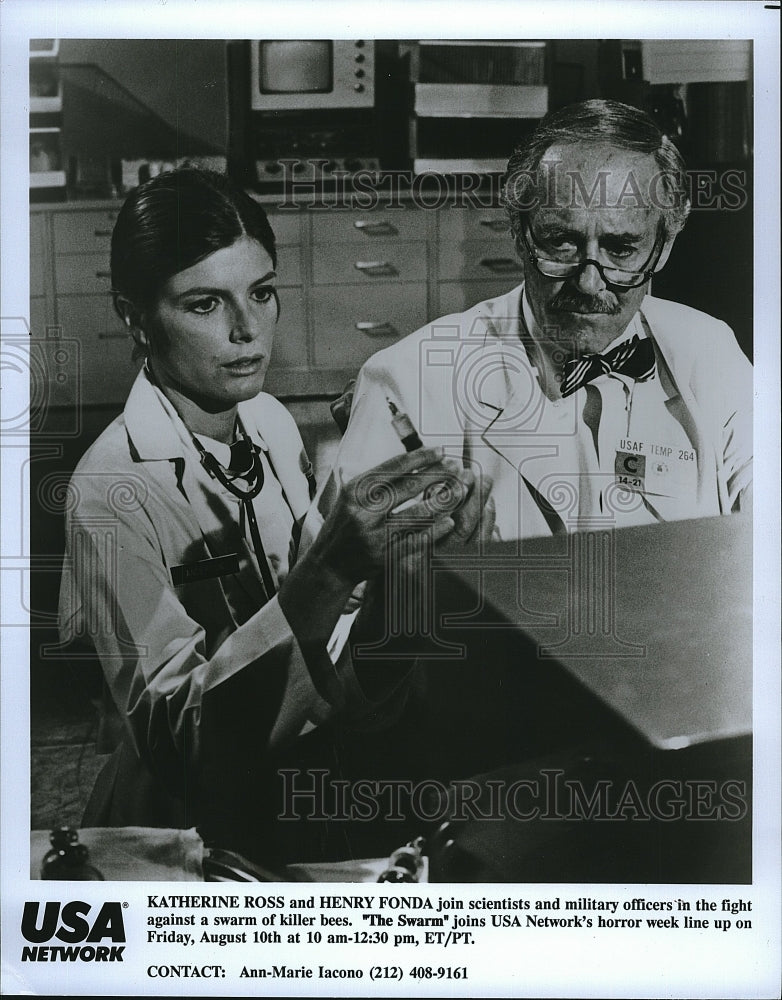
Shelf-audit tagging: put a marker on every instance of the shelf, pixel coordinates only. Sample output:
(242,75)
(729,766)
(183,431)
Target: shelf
(480,100)
(46,105)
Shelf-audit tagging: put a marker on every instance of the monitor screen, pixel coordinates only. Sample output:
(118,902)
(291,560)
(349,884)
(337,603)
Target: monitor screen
(296,67)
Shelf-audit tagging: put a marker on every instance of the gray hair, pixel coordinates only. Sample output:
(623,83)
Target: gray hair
(597,121)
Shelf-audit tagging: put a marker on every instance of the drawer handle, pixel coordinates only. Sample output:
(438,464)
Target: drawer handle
(377,329)
(376,268)
(381,228)
(496,225)
(103,232)
(501,265)
(103,274)
(112,336)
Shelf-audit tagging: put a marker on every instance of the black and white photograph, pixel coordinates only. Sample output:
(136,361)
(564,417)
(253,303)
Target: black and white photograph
(390,463)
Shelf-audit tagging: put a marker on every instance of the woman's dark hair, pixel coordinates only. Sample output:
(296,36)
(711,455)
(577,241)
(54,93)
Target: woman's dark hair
(598,121)
(174,221)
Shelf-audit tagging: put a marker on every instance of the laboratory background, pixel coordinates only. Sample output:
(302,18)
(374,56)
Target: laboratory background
(378,163)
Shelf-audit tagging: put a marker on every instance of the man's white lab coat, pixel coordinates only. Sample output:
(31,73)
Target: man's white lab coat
(466,382)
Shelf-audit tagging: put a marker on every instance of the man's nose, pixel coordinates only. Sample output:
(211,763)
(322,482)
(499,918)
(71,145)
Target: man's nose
(589,280)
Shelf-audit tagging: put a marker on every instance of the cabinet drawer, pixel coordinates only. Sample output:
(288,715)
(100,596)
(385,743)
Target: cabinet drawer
(364,228)
(480,259)
(83,274)
(89,274)
(290,337)
(336,263)
(456,296)
(80,232)
(350,326)
(83,232)
(457,224)
(105,348)
(37,255)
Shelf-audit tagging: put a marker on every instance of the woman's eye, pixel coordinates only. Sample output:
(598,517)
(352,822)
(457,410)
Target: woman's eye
(264,294)
(203,306)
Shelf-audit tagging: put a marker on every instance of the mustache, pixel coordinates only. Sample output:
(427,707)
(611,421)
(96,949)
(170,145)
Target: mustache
(568,300)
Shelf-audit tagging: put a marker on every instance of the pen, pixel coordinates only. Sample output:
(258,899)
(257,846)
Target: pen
(404,428)
(437,494)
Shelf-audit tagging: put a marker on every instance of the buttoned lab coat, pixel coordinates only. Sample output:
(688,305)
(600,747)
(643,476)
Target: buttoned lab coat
(467,382)
(140,505)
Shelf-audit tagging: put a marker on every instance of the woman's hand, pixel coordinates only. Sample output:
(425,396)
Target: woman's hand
(396,509)
(474,520)
(414,495)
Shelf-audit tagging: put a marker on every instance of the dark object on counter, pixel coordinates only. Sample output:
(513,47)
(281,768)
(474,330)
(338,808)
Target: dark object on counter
(397,875)
(227,866)
(68,860)
(405,864)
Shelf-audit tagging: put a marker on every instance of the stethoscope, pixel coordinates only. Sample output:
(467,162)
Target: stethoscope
(245,457)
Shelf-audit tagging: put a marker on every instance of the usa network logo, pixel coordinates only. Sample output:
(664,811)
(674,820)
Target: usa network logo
(82,931)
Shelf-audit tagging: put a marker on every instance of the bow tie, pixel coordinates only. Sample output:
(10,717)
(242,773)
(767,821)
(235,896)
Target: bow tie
(634,358)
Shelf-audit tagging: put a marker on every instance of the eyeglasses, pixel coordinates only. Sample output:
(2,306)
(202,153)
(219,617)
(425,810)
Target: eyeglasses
(558,266)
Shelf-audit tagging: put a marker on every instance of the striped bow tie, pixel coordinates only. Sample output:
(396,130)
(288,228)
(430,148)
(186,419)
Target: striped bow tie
(634,358)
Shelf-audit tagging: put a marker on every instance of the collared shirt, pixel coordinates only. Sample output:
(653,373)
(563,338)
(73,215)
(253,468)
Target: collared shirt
(624,453)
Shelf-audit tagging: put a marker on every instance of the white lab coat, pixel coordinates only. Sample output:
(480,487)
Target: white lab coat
(140,503)
(467,383)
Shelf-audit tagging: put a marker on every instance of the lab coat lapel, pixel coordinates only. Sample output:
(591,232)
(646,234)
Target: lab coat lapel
(675,367)
(157,445)
(218,515)
(203,515)
(530,434)
(287,462)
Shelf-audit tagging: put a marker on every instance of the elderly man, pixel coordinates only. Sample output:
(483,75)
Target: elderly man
(580,403)
(579,396)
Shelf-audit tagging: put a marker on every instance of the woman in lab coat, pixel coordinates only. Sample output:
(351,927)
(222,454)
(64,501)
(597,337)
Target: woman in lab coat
(215,623)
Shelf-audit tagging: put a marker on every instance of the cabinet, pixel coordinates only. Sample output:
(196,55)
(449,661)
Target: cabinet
(369,284)
(81,307)
(289,356)
(350,283)
(39,270)
(476,257)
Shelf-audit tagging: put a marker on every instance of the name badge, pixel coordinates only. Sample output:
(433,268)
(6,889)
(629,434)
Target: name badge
(205,569)
(656,469)
(630,471)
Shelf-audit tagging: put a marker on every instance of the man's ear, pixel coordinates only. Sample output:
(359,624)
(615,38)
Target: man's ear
(133,320)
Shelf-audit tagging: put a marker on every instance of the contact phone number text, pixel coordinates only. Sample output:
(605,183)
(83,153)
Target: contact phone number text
(419,972)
